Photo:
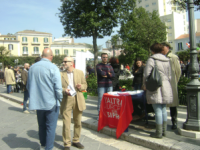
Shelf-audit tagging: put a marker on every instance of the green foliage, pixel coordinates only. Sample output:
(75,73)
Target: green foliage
(92,85)
(127,83)
(58,59)
(86,18)
(184,55)
(139,30)
(3,55)
(182,92)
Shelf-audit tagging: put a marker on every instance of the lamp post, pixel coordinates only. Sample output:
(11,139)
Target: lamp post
(193,90)
(109,44)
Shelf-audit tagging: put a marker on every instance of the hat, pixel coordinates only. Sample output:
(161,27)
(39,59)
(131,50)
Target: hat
(166,44)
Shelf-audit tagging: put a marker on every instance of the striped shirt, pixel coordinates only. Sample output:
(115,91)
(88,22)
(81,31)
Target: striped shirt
(104,70)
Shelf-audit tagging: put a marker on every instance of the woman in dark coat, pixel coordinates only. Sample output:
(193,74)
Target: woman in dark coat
(138,74)
(114,62)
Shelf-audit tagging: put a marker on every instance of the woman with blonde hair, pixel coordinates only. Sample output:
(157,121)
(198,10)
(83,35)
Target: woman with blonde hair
(163,94)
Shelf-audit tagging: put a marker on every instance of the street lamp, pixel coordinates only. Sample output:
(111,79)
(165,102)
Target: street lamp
(109,45)
(193,90)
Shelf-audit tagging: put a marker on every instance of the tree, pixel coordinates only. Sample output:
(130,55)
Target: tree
(92,18)
(91,48)
(183,3)
(185,55)
(140,30)
(3,55)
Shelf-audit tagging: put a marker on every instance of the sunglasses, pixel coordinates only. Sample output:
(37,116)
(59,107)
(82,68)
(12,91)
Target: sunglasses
(66,61)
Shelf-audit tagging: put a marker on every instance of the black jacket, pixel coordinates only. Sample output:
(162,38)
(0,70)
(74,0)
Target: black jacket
(115,80)
(138,76)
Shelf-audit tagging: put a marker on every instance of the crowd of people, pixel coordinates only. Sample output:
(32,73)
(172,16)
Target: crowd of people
(50,90)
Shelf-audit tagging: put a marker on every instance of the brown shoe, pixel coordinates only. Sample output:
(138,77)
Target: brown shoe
(66,148)
(78,145)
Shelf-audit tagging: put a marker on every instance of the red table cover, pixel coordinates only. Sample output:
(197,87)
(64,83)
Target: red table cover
(116,112)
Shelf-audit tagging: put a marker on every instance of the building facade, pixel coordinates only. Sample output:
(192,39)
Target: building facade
(171,14)
(182,40)
(32,43)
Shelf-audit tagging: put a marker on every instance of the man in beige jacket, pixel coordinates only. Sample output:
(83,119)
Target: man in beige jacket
(73,82)
(9,78)
(176,73)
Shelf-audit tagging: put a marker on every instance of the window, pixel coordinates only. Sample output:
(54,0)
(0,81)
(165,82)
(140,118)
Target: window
(13,38)
(36,50)
(24,39)
(74,52)
(25,50)
(10,47)
(35,39)
(45,40)
(147,5)
(6,38)
(57,52)
(45,47)
(154,3)
(66,52)
(168,20)
(170,27)
(169,34)
(180,46)
(82,50)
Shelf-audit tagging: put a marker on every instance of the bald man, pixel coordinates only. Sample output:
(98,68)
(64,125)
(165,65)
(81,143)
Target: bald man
(24,76)
(72,79)
(45,89)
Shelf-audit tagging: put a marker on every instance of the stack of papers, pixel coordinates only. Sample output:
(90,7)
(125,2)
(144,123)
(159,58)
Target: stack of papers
(72,90)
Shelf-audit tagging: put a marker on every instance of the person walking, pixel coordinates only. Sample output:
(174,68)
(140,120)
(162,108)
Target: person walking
(176,74)
(163,95)
(9,78)
(73,83)
(114,62)
(24,77)
(105,73)
(45,89)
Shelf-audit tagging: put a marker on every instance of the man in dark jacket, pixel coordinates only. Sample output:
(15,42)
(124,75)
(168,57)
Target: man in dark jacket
(24,76)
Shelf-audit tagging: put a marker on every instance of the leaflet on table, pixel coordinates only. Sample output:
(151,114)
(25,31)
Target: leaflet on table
(72,90)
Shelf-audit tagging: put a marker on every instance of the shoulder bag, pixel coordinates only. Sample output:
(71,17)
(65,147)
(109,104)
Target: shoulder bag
(154,80)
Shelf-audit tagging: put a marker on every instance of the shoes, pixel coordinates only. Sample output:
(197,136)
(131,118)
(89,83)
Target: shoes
(26,112)
(67,148)
(174,126)
(78,145)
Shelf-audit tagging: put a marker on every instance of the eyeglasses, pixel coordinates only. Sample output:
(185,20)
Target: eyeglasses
(66,61)
(104,57)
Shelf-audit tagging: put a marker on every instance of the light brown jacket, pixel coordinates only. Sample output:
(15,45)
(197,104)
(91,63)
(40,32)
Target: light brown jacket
(79,78)
(9,77)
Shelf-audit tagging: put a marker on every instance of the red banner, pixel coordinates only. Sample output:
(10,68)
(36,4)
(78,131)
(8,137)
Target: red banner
(116,112)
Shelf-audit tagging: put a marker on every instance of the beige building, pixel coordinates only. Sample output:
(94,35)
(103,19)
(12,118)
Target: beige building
(66,46)
(10,42)
(32,42)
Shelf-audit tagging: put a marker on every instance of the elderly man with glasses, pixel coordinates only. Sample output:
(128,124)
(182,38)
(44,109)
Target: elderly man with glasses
(104,75)
(73,83)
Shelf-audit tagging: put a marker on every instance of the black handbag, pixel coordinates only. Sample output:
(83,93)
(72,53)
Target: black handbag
(154,80)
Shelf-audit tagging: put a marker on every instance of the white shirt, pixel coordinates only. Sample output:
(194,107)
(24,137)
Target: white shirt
(71,78)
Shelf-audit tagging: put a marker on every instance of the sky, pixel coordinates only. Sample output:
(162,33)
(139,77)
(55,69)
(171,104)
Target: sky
(39,15)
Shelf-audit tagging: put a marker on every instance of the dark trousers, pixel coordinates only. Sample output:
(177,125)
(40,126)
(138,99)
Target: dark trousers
(26,96)
(173,114)
(47,122)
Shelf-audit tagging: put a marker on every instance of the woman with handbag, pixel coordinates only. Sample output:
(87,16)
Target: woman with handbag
(157,77)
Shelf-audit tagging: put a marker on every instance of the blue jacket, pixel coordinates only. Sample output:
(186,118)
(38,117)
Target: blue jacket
(44,85)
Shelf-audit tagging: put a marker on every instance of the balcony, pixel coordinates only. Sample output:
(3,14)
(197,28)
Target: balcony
(36,54)
(46,43)
(24,54)
(24,43)
(35,43)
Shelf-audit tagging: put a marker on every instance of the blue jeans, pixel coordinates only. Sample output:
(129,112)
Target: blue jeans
(47,122)
(160,113)
(101,91)
(26,96)
(9,88)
